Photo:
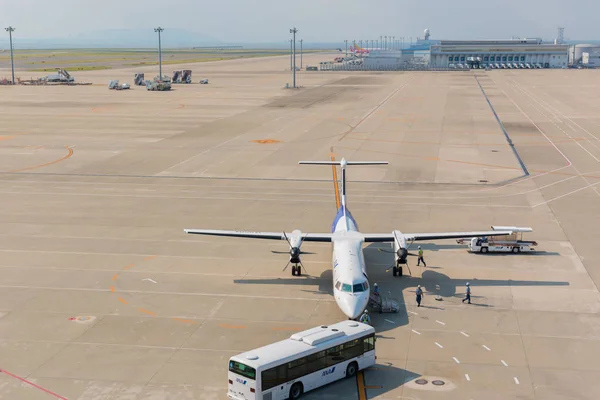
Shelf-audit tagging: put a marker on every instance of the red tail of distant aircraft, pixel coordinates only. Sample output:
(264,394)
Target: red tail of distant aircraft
(357,49)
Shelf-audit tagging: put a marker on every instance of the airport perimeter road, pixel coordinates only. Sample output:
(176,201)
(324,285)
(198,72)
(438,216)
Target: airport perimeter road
(103,296)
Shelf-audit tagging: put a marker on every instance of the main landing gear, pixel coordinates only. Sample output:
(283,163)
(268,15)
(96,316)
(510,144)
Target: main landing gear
(296,270)
(397,270)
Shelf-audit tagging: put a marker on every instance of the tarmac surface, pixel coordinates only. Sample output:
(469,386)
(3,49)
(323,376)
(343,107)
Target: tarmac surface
(103,296)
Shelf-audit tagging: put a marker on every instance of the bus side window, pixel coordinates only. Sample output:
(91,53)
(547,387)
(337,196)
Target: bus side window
(352,349)
(333,356)
(369,343)
(269,379)
(316,361)
(296,368)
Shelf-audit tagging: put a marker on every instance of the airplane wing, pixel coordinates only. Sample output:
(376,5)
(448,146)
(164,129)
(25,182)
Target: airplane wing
(308,237)
(389,237)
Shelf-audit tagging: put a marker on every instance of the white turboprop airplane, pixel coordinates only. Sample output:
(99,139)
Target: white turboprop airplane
(350,280)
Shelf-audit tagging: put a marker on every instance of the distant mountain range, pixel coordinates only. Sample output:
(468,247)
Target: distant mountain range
(171,38)
(143,38)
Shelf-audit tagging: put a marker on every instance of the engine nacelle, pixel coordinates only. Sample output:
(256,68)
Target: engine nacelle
(400,248)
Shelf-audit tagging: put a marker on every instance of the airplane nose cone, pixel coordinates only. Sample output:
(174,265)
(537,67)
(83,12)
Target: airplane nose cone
(353,306)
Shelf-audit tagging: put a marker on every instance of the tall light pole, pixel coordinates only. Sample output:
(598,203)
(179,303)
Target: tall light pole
(10,30)
(346,41)
(393,42)
(301,40)
(294,31)
(159,30)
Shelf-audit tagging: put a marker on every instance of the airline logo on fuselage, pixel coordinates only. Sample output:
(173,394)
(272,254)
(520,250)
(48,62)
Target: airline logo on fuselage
(242,381)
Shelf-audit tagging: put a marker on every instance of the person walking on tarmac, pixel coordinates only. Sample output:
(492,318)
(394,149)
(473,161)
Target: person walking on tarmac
(419,295)
(468,296)
(365,318)
(421,258)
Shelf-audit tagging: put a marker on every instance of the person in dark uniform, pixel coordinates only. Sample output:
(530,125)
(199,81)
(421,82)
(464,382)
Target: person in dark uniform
(468,296)
(419,295)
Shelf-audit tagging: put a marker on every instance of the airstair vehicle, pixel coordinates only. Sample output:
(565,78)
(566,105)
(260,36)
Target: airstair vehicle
(383,304)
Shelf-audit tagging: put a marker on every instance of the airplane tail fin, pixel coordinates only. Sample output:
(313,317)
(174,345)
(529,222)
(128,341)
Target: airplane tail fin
(343,163)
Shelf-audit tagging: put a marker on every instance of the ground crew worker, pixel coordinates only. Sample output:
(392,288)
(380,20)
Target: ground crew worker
(365,318)
(421,258)
(419,295)
(376,289)
(468,296)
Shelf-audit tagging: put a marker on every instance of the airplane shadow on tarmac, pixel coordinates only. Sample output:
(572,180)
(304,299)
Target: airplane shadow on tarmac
(434,282)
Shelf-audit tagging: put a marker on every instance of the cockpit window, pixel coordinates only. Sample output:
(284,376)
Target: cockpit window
(338,285)
(360,287)
(346,287)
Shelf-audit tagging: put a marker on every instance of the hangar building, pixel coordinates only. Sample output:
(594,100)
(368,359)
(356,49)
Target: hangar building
(531,51)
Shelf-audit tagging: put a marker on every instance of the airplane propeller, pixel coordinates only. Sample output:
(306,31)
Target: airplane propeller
(295,252)
(402,253)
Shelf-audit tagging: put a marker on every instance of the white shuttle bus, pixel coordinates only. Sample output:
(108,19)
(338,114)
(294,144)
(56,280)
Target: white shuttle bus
(305,361)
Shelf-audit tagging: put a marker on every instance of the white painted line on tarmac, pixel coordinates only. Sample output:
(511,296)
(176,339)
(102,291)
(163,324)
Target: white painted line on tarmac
(412,312)
(516,380)
(468,377)
(504,362)
(391,322)
(487,348)
(439,345)
(418,333)
(566,194)
(464,334)
(440,322)
(148,279)
(456,360)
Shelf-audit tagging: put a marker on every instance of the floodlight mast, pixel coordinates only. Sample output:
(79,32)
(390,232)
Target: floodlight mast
(10,30)
(294,31)
(160,75)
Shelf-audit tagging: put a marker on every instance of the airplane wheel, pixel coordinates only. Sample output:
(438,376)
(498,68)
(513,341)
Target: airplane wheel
(399,271)
(299,271)
(293,271)
(395,271)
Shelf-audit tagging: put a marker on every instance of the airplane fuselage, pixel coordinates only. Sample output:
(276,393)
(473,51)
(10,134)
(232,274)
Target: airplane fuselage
(350,280)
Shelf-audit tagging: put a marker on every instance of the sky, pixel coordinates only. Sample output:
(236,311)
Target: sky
(250,21)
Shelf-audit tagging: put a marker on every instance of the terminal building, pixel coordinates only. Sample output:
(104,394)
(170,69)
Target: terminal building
(513,51)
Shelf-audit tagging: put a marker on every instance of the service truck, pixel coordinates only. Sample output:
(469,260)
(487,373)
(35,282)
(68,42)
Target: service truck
(501,244)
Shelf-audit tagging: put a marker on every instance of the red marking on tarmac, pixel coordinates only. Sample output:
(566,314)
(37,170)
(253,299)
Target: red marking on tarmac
(149,258)
(187,321)
(33,384)
(112,289)
(114,278)
(127,267)
(122,300)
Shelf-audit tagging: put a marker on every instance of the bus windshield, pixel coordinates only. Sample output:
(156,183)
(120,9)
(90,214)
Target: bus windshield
(242,369)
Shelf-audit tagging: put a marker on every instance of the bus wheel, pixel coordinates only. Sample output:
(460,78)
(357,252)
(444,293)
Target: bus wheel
(296,391)
(516,249)
(351,369)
